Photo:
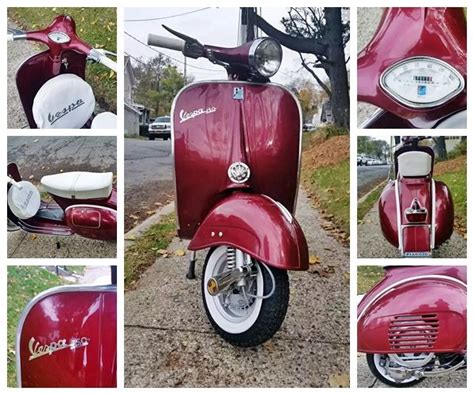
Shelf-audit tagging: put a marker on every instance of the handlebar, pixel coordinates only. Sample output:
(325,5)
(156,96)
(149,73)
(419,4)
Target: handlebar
(99,56)
(166,42)
(14,183)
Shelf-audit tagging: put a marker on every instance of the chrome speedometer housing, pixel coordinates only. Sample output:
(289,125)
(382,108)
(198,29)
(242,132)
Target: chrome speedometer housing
(422,82)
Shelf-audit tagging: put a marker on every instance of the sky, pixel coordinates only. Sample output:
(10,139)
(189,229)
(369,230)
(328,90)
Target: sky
(214,26)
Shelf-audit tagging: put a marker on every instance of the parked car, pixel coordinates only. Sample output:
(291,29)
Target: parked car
(161,127)
(308,126)
(361,160)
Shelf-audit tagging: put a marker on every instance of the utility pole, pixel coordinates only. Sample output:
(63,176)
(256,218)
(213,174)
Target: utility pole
(247,28)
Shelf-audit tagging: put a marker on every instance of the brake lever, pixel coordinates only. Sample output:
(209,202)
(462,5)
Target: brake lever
(192,47)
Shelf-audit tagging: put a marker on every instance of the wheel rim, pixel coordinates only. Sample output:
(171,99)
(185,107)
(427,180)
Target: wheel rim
(381,370)
(230,310)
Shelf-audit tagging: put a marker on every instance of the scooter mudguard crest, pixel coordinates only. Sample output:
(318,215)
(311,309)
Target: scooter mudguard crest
(421,314)
(67,337)
(257,225)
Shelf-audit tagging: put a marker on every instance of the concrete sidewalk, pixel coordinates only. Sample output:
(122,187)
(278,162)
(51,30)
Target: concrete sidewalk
(170,343)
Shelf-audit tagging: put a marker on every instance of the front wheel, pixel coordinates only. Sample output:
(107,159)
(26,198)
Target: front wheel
(377,363)
(238,317)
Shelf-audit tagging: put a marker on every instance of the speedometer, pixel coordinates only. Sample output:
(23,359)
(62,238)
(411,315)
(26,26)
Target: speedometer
(59,37)
(422,82)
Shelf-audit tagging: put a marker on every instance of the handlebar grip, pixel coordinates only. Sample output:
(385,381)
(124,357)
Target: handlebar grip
(165,42)
(108,63)
(9,36)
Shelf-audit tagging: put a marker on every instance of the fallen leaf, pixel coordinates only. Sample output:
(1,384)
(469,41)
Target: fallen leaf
(339,380)
(179,252)
(314,260)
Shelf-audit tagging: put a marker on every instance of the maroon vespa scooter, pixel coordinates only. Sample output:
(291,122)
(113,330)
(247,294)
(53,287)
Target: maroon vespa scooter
(237,147)
(52,85)
(412,324)
(85,204)
(416,212)
(415,68)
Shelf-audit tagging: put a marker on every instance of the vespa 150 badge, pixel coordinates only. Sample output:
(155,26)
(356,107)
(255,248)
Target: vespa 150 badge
(38,350)
(238,172)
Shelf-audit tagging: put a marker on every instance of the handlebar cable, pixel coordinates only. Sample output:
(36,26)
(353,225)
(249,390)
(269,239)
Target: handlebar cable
(167,17)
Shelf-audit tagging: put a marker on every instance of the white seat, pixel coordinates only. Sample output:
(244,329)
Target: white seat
(79,185)
(63,102)
(414,164)
(104,120)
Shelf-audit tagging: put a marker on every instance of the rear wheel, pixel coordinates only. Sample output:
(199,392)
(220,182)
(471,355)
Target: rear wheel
(240,318)
(377,365)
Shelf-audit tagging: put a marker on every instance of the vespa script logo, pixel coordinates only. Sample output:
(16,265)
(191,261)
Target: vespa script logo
(186,116)
(38,350)
(52,118)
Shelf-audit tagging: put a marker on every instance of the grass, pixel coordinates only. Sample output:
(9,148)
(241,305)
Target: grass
(96,26)
(330,185)
(367,277)
(457,183)
(24,283)
(364,207)
(145,249)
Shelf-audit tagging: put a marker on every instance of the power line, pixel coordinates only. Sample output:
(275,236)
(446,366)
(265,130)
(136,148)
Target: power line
(170,57)
(166,17)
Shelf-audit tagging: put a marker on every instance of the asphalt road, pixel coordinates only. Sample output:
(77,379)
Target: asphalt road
(39,156)
(18,52)
(369,176)
(366,379)
(367,22)
(170,343)
(372,244)
(148,178)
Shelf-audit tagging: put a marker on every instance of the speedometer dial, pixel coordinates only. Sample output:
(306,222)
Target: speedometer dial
(422,82)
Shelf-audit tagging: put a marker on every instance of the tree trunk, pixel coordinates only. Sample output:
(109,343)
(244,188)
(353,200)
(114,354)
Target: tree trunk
(441,148)
(337,67)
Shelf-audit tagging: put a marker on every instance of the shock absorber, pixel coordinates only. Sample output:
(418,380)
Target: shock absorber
(231,258)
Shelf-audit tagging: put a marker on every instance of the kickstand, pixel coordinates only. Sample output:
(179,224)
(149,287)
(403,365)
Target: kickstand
(191,274)
(372,385)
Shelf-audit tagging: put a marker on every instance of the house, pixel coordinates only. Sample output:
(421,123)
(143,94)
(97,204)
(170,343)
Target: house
(131,113)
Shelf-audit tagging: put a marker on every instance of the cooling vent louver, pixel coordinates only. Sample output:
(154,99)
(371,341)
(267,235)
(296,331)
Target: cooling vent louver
(413,331)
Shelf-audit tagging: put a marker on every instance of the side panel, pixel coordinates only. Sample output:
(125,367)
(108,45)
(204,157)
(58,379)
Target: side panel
(213,127)
(444,213)
(419,316)
(94,222)
(67,337)
(406,32)
(262,229)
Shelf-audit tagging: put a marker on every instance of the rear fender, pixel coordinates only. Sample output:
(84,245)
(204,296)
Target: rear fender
(424,313)
(257,225)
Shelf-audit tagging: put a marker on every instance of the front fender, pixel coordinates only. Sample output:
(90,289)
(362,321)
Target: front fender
(257,225)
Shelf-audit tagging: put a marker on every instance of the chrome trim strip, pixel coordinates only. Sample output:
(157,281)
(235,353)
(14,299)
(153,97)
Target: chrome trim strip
(42,295)
(377,113)
(433,214)
(401,247)
(91,206)
(411,104)
(406,280)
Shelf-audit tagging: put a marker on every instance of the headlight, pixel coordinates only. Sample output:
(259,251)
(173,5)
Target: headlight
(422,82)
(265,56)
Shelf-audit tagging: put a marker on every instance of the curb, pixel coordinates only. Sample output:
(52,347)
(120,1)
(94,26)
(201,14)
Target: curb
(138,230)
(363,198)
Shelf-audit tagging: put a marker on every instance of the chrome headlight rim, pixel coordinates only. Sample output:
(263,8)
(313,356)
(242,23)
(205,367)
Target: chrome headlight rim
(416,105)
(253,59)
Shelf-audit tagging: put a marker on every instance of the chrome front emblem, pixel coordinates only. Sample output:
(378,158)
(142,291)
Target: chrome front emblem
(238,172)
(38,349)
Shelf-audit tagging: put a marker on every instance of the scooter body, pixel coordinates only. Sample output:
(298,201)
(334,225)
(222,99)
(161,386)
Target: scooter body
(429,40)
(237,149)
(94,218)
(67,337)
(413,323)
(217,126)
(416,212)
(415,309)
(38,85)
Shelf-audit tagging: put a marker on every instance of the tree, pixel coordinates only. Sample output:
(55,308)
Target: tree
(309,96)
(158,82)
(322,33)
(441,147)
